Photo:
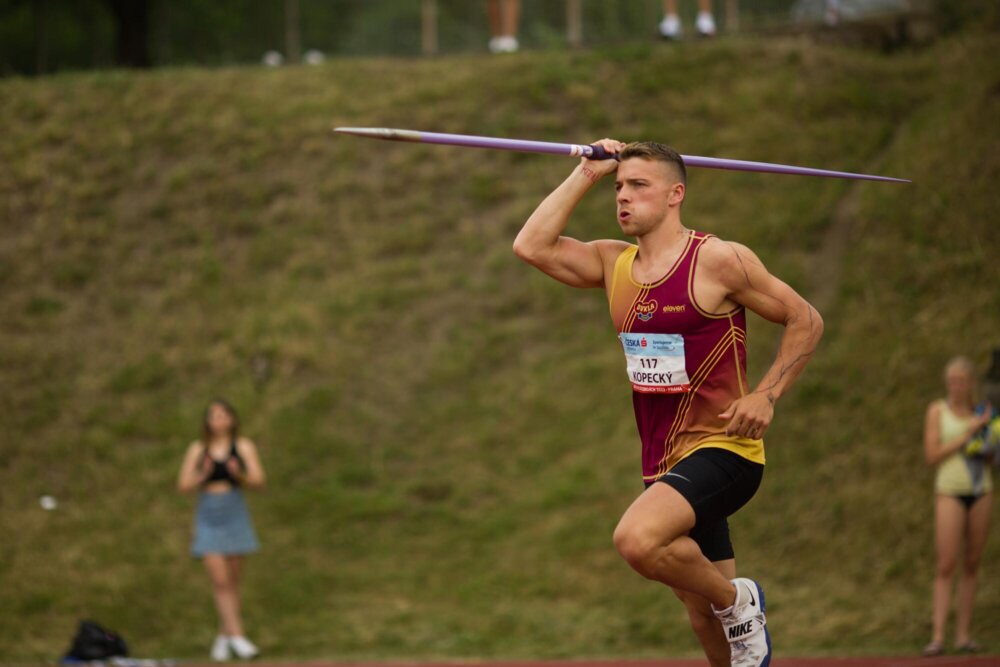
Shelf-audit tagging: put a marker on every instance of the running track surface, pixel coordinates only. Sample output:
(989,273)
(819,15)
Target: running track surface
(943,661)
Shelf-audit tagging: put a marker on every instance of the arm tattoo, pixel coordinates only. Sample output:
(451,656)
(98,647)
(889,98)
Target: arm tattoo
(786,367)
(746,274)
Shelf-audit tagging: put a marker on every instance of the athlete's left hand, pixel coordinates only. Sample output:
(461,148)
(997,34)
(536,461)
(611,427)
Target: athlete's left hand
(750,415)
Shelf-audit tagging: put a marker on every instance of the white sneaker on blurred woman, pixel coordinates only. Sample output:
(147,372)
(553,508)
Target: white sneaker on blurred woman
(504,44)
(670,27)
(220,649)
(705,23)
(243,647)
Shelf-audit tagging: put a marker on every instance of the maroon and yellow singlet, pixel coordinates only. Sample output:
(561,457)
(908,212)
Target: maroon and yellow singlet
(686,365)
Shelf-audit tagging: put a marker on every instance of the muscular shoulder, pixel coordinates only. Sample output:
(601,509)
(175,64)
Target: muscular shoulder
(728,262)
(610,248)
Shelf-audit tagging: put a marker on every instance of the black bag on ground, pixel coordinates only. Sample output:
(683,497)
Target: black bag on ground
(92,642)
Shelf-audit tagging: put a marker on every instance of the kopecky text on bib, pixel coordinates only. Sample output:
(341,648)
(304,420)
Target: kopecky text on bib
(656,362)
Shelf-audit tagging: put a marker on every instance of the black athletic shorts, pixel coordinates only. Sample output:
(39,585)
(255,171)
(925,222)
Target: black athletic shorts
(716,482)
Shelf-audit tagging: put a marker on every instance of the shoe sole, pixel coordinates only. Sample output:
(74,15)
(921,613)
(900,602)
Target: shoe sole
(767,635)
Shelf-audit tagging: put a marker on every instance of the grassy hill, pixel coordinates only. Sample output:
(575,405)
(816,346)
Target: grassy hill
(448,433)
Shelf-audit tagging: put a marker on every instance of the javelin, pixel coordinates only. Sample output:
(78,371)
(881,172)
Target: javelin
(593,152)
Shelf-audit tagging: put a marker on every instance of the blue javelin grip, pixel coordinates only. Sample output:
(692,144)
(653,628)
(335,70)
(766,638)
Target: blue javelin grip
(598,153)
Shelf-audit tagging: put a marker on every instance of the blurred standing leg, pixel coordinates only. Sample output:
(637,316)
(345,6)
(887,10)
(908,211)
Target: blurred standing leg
(976,530)
(706,21)
(670,26)
(949,524)
(226,598)
(504,16)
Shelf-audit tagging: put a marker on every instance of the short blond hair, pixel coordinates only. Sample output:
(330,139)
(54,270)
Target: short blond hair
(650,150)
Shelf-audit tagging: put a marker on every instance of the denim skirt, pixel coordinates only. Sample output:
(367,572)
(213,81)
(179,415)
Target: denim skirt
(222,525)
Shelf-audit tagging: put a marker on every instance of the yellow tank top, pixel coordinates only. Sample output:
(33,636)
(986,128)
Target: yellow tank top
(959,475)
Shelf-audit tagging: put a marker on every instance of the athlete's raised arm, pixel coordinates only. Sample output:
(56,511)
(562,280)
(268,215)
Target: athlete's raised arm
(747,282)
(540,242)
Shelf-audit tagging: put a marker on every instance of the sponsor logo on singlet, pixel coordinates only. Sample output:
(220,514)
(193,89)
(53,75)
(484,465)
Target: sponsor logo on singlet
(675,309)
(644,310)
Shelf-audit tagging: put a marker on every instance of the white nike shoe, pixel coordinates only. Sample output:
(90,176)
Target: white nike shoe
(705,23)
(243,647)
(220,649)
(746,627)
(670,27)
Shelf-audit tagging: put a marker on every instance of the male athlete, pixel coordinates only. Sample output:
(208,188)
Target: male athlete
(677,300)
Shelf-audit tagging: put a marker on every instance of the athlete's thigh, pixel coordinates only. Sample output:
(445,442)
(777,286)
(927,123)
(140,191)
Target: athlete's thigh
(949,526)
(660,513)
(978,527)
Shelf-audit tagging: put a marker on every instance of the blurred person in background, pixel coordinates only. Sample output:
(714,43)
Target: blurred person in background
(670,26)
(963,487)
(504,17)
(218,465)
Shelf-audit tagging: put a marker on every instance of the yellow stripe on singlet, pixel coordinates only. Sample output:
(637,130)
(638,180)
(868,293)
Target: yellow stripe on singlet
(626,253)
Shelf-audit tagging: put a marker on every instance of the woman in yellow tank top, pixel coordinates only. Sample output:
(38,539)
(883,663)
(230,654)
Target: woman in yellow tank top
(963,499)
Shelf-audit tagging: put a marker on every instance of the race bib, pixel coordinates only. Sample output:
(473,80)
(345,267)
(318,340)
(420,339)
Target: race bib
(656,363)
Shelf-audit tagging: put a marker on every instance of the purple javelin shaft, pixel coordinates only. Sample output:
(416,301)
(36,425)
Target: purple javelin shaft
(468,140)
(595,152)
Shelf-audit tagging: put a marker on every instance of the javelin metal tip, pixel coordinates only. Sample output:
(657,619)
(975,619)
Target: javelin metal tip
(380,133)
(360,131)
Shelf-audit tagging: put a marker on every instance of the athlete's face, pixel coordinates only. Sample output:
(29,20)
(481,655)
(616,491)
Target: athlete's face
(647,190)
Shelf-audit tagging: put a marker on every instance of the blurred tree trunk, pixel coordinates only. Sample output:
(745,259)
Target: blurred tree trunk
(293,31)
(574,23)
(132,32)
(429,27)
(41,16)
(732,16)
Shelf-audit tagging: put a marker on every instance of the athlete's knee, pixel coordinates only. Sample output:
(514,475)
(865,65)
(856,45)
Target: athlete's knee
(630,544)
(650,555)
(638,547)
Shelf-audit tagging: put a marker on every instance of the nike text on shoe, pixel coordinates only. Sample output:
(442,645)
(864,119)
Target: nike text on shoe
(746,627)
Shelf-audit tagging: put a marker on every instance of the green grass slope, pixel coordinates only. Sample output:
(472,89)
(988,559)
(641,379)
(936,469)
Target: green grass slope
(448,433)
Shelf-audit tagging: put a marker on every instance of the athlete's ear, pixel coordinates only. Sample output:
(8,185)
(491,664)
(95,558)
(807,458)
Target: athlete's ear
(676,195)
